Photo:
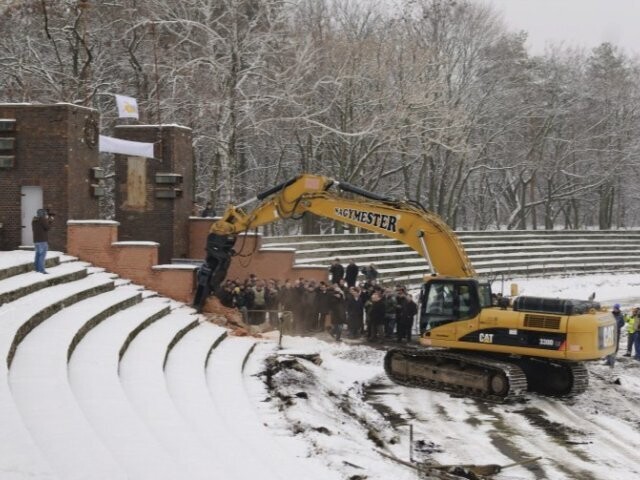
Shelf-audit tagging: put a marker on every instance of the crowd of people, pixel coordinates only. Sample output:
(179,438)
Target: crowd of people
(307,306)
(363,308)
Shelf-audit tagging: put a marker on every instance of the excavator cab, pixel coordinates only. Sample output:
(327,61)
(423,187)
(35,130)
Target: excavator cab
(445,300)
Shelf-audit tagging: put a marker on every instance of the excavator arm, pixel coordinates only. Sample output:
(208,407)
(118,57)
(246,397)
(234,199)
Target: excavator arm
(423,231)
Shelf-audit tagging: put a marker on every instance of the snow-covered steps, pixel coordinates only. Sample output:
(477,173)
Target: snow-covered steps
(20,457)
(95,383)
(213,425)
(39,384)
(143,379)
(21,316)
(17,262)
(509,253)
(19,285)
(235,424)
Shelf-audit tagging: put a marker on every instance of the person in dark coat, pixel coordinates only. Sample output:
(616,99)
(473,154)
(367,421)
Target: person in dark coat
(40,226)
(405,319)
(375,317)
(337,308)
(242,299)
(310,320)
(287,298)
(208,211)
(337,271)
(321,306)
(225,295)
(298,306)
(272,299)
(617,314)
(390,305)
(351,274)
(370,273)
(355,312)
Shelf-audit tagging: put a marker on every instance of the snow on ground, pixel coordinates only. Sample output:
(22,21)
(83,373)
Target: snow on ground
(328,409)
(344,409)
(623,288)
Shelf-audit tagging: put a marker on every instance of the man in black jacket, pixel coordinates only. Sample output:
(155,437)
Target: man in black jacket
(405,317)
(321,307)
(338,311)
(352,274)
(370,273)
(337,271)
(355,312)
(375,317)
(208,211)
(40,226)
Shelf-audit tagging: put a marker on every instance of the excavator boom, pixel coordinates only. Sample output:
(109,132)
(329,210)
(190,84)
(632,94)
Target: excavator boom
(423,231)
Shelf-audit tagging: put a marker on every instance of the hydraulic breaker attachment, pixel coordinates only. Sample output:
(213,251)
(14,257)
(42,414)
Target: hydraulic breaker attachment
(210,275)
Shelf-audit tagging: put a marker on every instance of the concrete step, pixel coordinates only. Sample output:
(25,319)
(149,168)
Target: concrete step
(409,256)
(94,381)
(144,383)
(17,262)
(228,386)
(39,371)
(21,455)
(19,285)
(491,253)
(194,355)
(464,235)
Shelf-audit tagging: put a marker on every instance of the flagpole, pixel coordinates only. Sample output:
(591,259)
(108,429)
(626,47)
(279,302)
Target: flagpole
(83,7)
(155,65)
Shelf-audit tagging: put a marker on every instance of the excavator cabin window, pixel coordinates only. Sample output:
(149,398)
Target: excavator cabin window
(445,301)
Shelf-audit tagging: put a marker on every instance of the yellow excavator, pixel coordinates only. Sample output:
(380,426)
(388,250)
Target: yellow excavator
(471,346)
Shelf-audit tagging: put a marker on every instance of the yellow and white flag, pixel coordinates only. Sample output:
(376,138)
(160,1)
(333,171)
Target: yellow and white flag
(127,107)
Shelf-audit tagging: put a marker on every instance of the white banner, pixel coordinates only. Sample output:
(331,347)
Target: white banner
(125,147)
(127,107)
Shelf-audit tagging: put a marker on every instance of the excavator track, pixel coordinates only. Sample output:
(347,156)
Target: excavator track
(554,378)
(460,373)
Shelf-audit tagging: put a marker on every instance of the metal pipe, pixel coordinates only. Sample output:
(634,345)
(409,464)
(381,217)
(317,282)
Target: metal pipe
(347,187)
(277,188)
(247,202)
(426,252)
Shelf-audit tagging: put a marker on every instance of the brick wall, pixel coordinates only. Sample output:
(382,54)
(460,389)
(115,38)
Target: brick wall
(162,220)
(55,147)
(264,263)
(96,242)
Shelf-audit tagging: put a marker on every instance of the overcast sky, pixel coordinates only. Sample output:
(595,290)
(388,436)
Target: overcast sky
(585,23)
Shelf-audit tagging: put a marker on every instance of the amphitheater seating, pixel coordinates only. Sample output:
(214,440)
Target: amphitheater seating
(103,379)
(512,254)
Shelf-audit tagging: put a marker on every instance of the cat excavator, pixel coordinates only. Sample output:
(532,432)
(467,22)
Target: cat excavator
(471,346)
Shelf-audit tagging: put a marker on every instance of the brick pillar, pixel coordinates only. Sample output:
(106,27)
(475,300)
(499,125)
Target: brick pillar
(153,196)
(92,241)
(49,148)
